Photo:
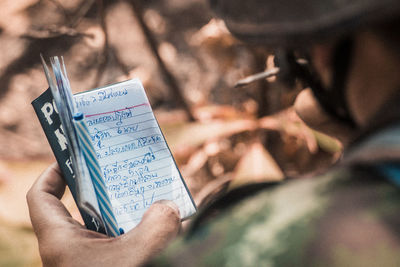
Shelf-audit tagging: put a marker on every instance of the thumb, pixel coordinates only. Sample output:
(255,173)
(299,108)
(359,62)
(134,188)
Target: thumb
(162,218)
(159,225)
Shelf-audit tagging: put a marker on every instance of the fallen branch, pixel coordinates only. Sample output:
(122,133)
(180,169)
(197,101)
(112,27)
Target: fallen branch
(53,32)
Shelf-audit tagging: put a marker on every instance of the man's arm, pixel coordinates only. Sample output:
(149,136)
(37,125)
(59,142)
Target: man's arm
(65,242)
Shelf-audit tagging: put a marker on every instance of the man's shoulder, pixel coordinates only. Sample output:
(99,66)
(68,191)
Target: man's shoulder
(301,222)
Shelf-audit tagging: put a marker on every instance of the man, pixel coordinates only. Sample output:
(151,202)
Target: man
(347,217)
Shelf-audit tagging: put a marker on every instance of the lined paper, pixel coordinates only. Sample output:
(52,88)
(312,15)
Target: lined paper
(136,163)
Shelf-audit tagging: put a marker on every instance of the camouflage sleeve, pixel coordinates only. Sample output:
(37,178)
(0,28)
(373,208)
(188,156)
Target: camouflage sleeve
(345,218)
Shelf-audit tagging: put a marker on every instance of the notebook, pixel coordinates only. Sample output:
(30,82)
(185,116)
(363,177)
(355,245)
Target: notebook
(114,156)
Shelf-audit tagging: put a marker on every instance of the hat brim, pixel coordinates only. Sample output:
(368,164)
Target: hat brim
(297,22)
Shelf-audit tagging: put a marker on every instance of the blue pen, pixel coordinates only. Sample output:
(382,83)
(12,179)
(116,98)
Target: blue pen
(89,155)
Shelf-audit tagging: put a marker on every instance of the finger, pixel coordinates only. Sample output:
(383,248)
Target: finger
(160,222)
(45,208)
(159,225)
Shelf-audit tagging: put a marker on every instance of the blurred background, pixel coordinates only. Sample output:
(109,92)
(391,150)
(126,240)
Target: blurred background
(222,136)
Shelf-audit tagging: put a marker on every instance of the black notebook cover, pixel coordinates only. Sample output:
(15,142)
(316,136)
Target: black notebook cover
(51,124)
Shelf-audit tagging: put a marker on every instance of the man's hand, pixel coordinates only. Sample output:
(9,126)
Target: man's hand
(310,111)
(65,242)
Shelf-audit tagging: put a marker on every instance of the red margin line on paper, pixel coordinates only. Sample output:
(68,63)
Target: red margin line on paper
(91,115)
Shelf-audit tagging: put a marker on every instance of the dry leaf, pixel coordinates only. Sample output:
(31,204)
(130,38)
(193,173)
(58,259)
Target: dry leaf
(212,112)
(214,29)
(257,165)
(196,134)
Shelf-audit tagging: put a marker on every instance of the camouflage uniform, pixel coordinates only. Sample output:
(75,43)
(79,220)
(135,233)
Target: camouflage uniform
(348,217)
